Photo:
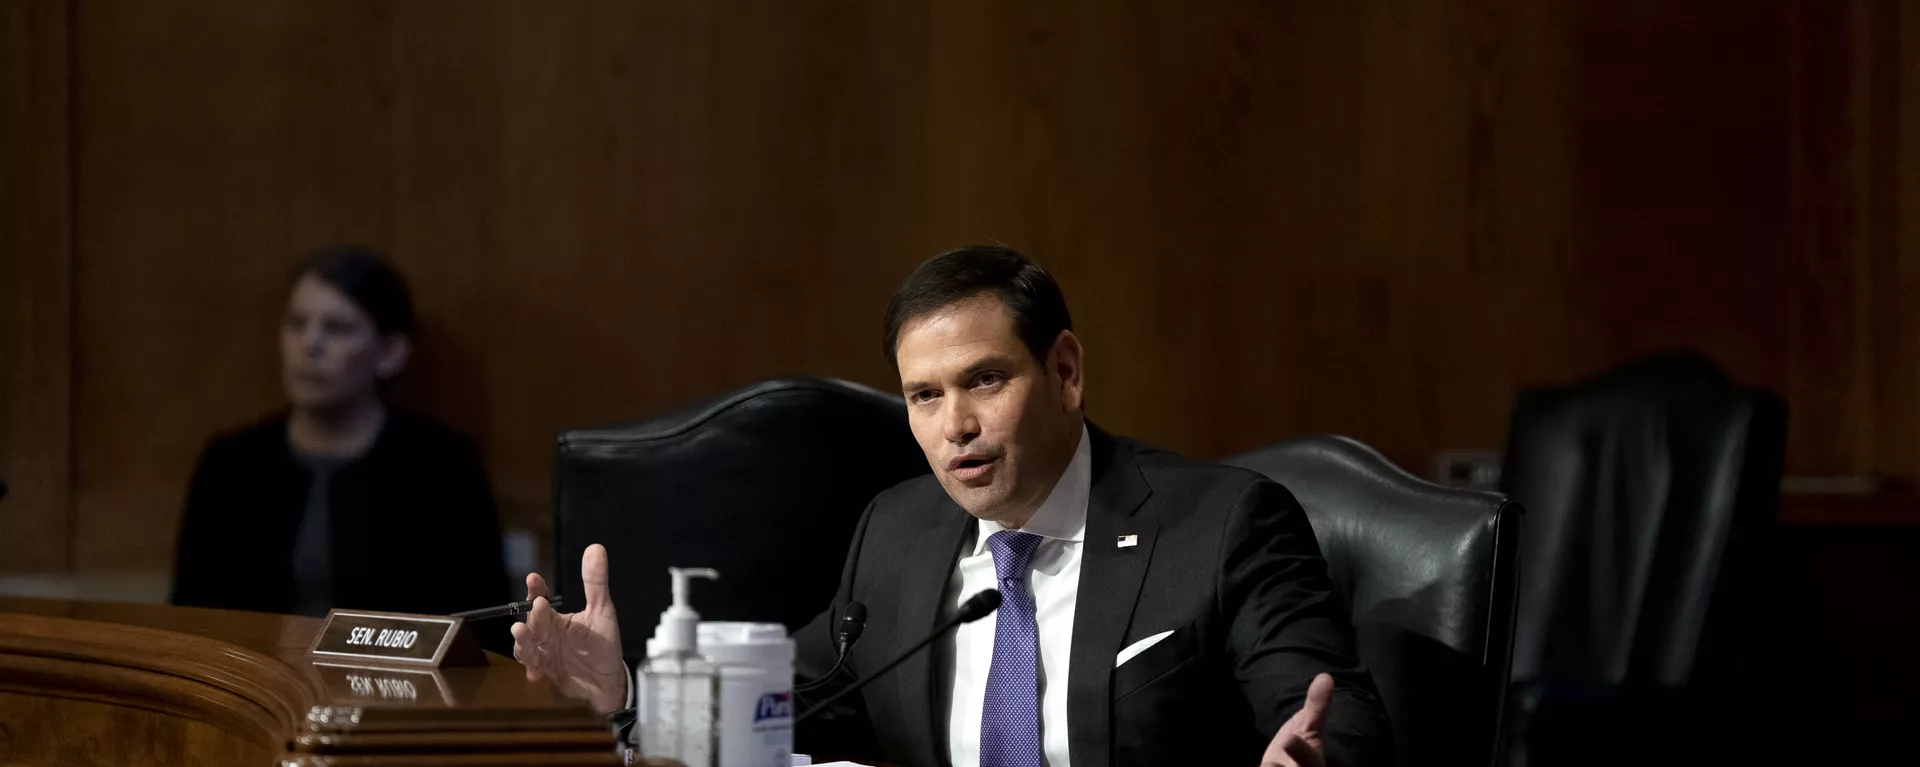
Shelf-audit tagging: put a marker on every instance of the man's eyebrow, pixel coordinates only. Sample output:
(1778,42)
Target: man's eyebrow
(994,362)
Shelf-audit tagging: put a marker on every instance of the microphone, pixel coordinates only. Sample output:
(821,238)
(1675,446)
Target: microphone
(976,607)
(851,626)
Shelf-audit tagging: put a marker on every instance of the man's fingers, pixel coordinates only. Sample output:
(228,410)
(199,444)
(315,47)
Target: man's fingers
(1289,751)
(1302,753)
(537,586)
(522,642)
(525,637)
(526,647)
(593,577)
(1319,697)
(542,626)
(1298,742)
(540,619)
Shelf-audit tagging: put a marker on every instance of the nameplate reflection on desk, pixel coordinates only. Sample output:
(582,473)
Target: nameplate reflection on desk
(390,686)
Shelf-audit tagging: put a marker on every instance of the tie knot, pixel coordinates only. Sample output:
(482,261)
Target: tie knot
(1012,551)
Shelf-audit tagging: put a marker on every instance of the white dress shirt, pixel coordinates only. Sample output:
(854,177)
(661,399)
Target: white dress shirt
(1055,584)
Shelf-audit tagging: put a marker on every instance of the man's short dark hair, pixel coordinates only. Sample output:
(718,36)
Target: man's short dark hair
(1028,291)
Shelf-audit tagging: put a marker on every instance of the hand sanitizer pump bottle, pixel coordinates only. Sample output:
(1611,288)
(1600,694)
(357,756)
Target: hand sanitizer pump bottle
(679,690)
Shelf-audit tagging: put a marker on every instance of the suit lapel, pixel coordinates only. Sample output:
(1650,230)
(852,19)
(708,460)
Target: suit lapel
(1110,578)
(923,594)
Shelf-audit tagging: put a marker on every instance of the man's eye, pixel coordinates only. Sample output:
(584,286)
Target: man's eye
(988,379)
(922,396)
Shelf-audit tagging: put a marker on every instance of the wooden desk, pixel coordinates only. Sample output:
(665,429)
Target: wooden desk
(84,683)
(1842,615)
(1893,508)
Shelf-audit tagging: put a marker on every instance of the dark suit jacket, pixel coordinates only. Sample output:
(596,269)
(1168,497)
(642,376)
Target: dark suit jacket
(414,524)
(1225,558)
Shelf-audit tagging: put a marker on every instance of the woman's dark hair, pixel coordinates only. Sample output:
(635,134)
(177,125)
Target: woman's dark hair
(1039,309)
(363,275)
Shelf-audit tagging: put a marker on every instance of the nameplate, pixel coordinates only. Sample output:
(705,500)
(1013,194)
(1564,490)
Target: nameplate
(392,638)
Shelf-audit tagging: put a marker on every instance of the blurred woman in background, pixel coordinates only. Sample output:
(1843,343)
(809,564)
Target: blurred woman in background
(340,501)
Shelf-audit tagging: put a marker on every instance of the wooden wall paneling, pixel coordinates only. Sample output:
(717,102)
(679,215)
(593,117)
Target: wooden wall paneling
(217,143)
(1829,316)
(1681,179)
(1521,244)
(1018,155)
(1854,327)
(628,207)
(447,124)
(36,261)
(1896,243)
(1180,168)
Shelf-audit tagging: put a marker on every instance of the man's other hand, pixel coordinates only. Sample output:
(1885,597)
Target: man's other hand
(579,651)
(1298,744)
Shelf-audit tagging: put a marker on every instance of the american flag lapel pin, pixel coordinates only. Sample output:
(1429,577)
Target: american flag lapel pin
(1128,541)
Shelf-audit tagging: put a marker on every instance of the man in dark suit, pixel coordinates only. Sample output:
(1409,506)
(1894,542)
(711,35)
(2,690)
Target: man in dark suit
(1156,610)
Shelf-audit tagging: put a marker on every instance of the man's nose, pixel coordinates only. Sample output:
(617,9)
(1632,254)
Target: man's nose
(961,425)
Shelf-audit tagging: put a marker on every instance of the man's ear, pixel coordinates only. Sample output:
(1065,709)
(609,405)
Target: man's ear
(1067,361)
(399,350)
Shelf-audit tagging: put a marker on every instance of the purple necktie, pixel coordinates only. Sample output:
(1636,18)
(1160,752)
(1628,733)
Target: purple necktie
(1010,717)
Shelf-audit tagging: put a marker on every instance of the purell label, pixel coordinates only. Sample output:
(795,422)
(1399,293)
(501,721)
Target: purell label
(773,705)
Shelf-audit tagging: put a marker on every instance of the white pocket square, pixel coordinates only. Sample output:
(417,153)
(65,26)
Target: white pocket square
(1139,647)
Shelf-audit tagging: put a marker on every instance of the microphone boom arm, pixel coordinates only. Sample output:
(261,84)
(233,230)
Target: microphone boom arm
(976,607)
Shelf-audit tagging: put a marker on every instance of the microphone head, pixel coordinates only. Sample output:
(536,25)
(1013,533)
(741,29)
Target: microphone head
(852,625)
(979,606)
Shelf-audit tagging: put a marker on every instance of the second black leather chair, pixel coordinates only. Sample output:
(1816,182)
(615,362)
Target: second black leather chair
(1429,573)
(1646,608)
(764,484)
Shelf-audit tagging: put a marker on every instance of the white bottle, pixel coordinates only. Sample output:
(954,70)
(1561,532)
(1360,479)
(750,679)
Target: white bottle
(679,690)
(756,691)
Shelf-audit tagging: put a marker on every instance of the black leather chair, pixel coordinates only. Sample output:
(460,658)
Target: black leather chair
(765,484)
(1652,490)
(1429,573)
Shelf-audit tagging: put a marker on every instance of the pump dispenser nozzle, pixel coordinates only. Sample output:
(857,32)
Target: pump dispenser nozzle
(679,626)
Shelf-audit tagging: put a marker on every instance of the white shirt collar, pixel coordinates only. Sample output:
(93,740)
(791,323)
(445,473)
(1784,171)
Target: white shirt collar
(1063,516)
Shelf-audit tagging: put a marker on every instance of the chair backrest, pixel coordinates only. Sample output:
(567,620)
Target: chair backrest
(764,484)
(1429,574)
(1651,489)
